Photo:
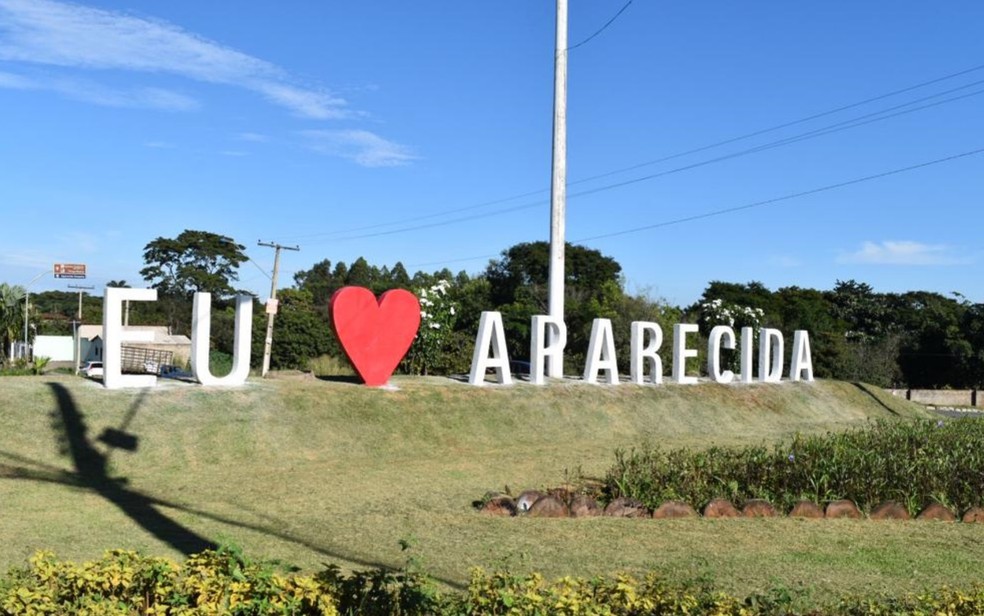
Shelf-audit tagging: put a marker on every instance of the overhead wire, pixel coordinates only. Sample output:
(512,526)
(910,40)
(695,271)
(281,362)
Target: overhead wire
(796,195)
(756,133)
(602,29)
(747,206)
(812,134)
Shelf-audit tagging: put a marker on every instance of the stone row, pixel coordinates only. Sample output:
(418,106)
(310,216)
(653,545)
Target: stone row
(562,504)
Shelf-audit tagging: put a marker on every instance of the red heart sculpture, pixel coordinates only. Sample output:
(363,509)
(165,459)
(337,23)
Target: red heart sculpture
(375,335)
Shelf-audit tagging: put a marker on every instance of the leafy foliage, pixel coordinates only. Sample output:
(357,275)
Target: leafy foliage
(917,339)
(122,582)
(298,332)
(432,347)
(913,463)
(225,582)
(193,261)
(11,314)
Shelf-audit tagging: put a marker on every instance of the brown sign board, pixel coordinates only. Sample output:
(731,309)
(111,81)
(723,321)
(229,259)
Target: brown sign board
(69,270)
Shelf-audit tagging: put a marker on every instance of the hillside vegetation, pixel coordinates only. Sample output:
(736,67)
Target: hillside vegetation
(310,471)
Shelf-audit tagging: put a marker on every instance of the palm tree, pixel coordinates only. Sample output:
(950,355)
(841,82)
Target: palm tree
(10,313)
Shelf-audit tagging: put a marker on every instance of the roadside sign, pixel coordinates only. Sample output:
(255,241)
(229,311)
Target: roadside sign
(69,270)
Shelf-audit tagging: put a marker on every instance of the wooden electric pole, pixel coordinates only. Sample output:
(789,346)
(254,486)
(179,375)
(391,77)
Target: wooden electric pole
(271,307)
(78,323)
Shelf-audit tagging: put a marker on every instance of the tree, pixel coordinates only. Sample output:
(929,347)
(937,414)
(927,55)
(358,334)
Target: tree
(321,283)
(10,313)
(518,288)
(300,333)
(193,261)
(399,276)
(360,274)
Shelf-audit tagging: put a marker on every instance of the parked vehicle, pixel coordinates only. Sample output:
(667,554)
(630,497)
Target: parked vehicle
(173,372)
(92,369)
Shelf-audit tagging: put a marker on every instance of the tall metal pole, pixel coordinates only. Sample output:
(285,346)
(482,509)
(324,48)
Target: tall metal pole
(27,302)
(558,186)
(272,303)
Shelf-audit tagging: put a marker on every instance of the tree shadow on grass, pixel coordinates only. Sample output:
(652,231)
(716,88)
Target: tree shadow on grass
(91,469)
(881,403)
(91,472)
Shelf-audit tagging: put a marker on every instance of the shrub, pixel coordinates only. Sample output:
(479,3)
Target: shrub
(123,582)
(224,582)
(329,365)
(913,463)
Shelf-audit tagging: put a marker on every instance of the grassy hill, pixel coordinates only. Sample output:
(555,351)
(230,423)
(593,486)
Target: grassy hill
(310,471)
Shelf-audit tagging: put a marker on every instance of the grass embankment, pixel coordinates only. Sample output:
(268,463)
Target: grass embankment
(312,471)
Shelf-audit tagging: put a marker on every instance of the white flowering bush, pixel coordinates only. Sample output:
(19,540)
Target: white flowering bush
(438,313)
(717,312)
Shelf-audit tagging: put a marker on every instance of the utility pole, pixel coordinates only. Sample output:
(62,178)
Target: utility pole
(558,185)
(81,289)
(78,323)
(27,305)
(271,307)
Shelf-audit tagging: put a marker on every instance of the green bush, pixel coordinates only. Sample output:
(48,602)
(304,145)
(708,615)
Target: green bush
(122,582)
(912,463)
(329,365)
(224,582)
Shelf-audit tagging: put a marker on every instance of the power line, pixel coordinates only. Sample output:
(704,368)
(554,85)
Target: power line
(819,132)
(603,28)
(777,127)
(774,200)
(747,206)
(650,162)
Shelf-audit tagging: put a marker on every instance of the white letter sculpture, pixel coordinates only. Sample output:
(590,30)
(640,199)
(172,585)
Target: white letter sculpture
(640,352)
(601,353)
(770,355)
(543,359)
(201,325)
(490,333)
(114,337)
(747,349)
(681,353)
(721,336)
(802,360)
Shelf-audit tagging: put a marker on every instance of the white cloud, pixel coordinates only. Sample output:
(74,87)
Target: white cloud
(91,92)
(68,35)
(16,82)
(252,137)
(364,147)
(33,259)
(903,253)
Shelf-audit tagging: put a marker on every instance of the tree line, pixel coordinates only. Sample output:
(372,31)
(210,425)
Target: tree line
(915,339)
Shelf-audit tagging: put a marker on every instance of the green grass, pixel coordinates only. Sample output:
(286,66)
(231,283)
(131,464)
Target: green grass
(311,471)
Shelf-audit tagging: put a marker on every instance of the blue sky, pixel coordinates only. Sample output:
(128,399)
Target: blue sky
(421,132)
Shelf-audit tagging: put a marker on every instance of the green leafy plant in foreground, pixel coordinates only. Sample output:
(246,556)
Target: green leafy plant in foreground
(226,582)
(914,463)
